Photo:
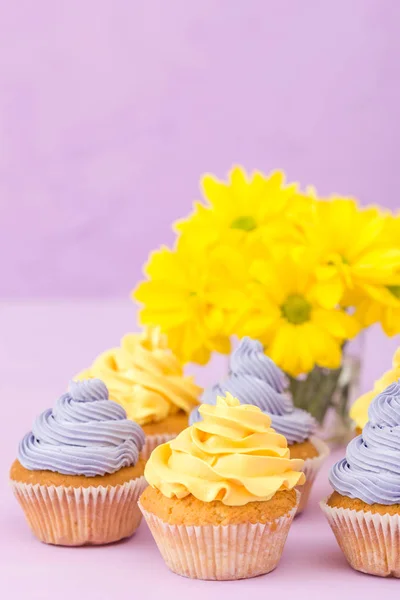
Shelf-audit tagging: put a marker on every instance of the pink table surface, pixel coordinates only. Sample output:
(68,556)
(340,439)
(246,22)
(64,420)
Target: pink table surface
(41,347)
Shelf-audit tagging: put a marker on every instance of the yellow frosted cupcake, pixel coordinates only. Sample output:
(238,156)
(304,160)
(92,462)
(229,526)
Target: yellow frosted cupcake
(359,410)
(256,379)
(147,379)
(222,494)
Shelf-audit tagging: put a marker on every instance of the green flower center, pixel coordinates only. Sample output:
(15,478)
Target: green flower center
(296,309)
(395,290)
(245,223)
(338,260)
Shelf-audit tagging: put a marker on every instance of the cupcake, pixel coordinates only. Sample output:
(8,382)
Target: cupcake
(222,494)
(146,378)
(364,509)
(359,410)
(78,474)
(255,379)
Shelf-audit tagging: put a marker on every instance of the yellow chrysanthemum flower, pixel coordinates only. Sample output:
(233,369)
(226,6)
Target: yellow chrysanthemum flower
(258,257)
(285,315)
(391,230)
(382,305)
(247,207)
(352,253)
(194,298)
(359,410)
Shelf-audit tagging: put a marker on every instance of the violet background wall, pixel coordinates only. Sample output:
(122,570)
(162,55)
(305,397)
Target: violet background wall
(111,109)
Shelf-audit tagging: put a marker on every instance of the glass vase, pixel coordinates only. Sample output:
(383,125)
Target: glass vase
(328,394)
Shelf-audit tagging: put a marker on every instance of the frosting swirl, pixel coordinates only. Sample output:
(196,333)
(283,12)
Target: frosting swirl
(371,469)
(145,377)
(359,410)
(232,455)
(255,379)
(85,434)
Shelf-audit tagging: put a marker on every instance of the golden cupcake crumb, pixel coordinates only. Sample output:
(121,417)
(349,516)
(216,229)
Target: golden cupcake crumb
(303,450)
(19,473)
(336,500)
(171,424)
(191,511)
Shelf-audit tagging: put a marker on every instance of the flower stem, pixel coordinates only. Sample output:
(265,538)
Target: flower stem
(316,391)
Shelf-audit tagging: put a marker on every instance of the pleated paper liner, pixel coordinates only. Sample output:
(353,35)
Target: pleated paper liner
(152,441)
(221,552)
(69,516)
(310,469)
(369,541)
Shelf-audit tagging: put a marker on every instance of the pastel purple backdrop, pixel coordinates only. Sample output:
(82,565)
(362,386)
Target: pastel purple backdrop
(110,112)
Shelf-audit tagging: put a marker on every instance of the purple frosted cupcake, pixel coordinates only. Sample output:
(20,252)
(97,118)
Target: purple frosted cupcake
(255,379)
(79,474)
(364,509)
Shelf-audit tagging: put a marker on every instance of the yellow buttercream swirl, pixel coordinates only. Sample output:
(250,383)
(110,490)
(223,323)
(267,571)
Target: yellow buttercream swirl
(359,410)
(233,455)
(145,377)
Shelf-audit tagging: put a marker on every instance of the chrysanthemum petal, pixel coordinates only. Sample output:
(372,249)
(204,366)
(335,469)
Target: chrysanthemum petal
(329,293)
(155,293)
(164,262)
(391,321)
(305,356)
(381,294)
(326,350)
(367,234)
(216,192)
(164,318)
(336,322)
(378,266)
(238,180)
(280,349)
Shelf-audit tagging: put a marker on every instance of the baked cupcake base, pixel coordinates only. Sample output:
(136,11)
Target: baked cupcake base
(217,542)
(72,510)
(368,535)
(314,452)
(163,431)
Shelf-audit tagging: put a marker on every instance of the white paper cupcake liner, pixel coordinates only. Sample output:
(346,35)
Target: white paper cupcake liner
(369,541)
(220,552)
(152,441)
(69,516)
(310,469)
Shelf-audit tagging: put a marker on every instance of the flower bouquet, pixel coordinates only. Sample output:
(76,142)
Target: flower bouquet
(302,274)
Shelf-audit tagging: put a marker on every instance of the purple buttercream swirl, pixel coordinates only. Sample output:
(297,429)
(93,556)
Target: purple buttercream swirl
(255,379)
(371,469)
(85,434)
